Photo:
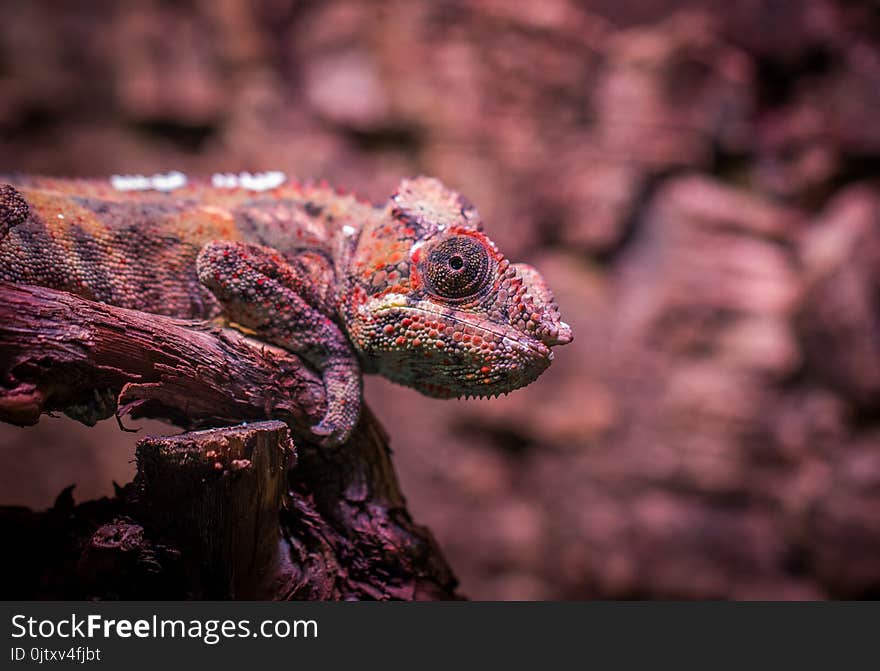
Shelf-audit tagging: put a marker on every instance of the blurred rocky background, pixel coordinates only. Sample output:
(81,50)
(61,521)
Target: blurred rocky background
(699,181)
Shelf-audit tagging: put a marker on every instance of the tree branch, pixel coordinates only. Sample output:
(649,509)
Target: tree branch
(344,528)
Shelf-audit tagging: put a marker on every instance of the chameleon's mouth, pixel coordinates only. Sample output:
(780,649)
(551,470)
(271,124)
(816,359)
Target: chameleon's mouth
(508,336)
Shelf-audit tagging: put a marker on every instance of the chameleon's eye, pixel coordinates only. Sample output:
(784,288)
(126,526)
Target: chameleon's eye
(457,267)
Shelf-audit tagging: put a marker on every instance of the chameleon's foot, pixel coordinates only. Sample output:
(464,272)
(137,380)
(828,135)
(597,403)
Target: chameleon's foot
(342,382)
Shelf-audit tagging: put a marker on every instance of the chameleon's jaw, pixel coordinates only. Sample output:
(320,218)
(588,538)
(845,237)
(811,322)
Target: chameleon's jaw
(466,378)
(450,354)
(524,365)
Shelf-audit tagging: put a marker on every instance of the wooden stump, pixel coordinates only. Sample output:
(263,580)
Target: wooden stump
(217,494)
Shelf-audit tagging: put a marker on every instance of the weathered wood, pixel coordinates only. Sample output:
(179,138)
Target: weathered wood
(188,527)
(61,352)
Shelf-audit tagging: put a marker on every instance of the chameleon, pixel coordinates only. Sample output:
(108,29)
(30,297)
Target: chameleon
(411,288)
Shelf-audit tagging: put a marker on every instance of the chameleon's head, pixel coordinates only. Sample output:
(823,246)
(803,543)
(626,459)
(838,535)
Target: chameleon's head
(434,305)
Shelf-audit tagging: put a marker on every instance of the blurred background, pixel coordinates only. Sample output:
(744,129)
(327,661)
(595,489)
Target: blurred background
(699,182)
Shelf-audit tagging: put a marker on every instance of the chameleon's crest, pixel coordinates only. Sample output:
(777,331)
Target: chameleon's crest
(426,205)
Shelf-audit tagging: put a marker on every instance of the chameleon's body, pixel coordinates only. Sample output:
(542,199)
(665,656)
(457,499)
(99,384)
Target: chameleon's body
(411,289)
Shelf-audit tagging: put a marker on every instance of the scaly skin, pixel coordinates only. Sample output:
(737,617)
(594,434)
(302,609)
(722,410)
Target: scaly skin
(411,289)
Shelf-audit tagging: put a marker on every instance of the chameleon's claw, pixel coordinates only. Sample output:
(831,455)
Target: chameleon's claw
(329,435)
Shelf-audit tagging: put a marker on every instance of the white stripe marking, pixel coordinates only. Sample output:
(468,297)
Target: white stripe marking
(158,182)
(261,181)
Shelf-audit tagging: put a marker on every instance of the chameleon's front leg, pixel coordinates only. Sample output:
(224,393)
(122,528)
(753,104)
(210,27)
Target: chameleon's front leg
(259,289)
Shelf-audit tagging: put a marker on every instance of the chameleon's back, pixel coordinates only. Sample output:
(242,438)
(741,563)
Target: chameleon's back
(130,253)
(137,248)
